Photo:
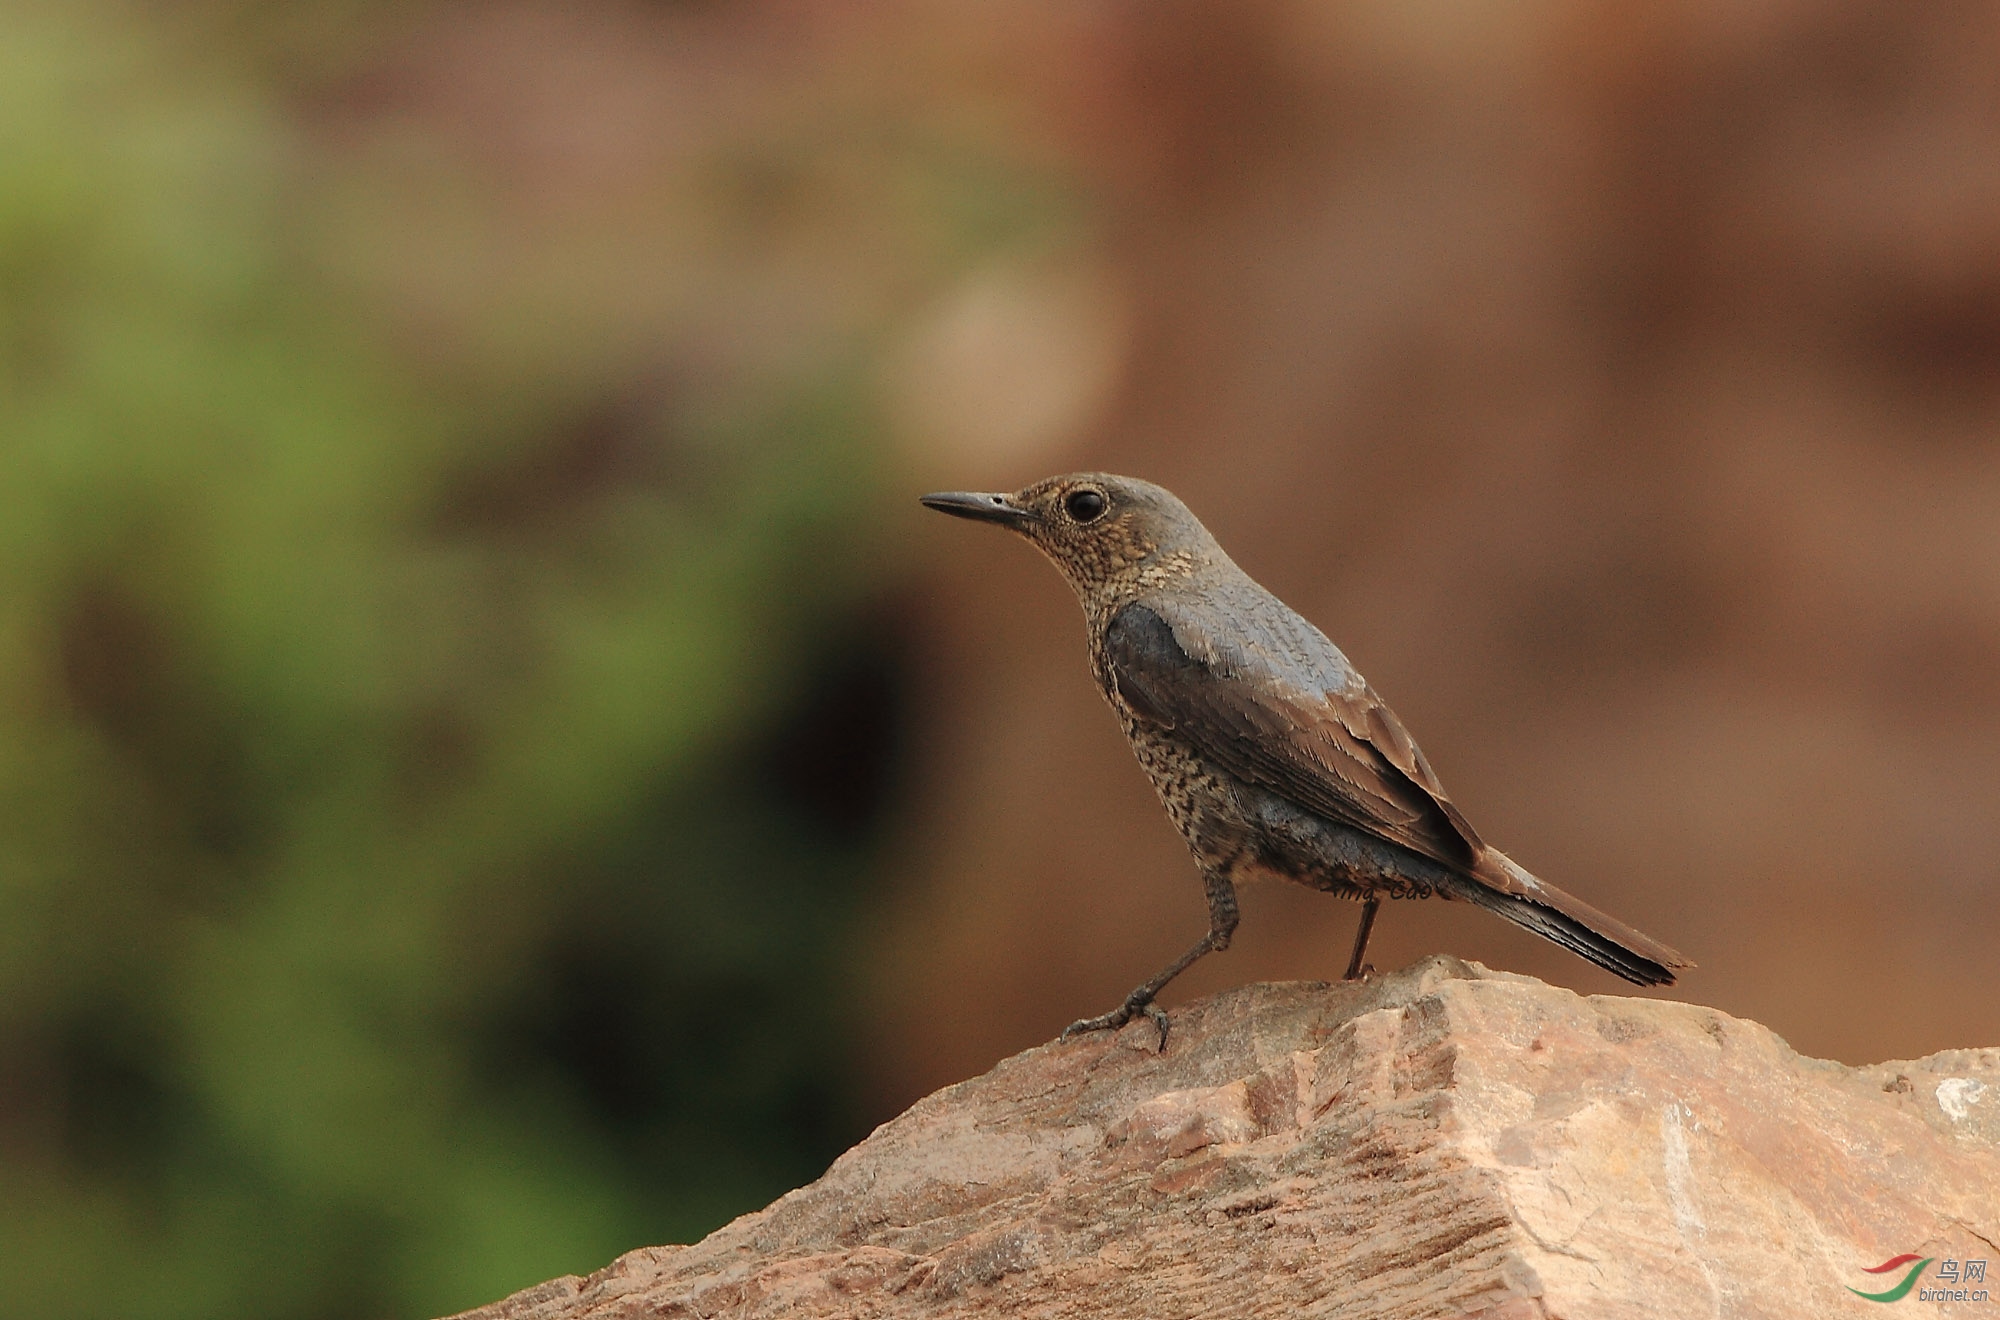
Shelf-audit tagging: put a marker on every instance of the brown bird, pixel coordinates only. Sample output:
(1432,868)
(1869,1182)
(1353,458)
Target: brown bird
(1269,751)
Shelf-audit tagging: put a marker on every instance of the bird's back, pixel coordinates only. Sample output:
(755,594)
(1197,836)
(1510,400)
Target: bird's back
(1228,621)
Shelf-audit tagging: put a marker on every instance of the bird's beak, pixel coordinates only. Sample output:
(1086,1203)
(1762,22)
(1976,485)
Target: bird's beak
(979,507)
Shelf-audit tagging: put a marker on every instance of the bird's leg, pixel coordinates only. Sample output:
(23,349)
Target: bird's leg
(1355,967)
(1222,917)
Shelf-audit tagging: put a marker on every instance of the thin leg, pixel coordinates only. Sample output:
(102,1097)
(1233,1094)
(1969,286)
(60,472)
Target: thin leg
(1355,967)
(1222,916)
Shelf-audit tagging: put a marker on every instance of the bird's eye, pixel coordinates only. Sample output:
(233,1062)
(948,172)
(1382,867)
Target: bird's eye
(1084,505)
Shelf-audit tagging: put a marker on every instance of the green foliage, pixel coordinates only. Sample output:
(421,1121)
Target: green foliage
(394,907)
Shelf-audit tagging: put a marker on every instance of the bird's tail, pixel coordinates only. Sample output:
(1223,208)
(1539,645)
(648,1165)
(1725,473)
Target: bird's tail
(1501,886)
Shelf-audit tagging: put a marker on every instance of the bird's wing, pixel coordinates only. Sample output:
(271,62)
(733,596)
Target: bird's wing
(1324,741)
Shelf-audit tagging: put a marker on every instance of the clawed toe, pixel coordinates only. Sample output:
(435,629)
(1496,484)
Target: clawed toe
(1103,1022)
(1118,1017)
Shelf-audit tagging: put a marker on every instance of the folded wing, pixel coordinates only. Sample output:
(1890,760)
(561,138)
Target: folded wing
(1333,748)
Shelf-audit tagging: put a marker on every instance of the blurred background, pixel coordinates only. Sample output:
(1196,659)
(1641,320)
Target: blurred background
(497,770)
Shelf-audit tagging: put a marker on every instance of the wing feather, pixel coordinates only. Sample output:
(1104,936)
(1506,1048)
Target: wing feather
(1338,751)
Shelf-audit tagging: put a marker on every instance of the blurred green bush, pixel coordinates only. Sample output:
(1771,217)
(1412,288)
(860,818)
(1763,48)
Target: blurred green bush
(403,897)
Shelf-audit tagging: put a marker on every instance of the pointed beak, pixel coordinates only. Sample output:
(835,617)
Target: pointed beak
(979,507)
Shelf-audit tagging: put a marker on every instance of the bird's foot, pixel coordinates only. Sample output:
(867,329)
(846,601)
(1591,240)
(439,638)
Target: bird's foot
(1367,972)
(1119,1016)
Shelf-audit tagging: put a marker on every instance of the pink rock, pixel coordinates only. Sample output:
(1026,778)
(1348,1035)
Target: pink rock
(1443,1141)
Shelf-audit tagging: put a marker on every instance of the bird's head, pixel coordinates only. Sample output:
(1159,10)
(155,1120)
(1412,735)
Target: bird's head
(1111,536)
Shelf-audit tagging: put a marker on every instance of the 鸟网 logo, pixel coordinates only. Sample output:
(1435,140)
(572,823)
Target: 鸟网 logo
(1953,1276)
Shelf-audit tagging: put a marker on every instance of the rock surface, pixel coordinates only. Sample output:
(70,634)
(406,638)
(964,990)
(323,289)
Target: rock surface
(1442,1141)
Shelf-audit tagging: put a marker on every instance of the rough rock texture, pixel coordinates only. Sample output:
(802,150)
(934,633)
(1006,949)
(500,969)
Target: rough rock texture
(1442,1141)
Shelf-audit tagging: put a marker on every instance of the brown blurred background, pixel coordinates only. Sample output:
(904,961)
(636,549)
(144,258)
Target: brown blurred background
(1620,386)
(497,769)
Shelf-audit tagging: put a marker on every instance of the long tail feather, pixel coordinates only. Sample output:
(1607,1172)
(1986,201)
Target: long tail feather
(1502,887)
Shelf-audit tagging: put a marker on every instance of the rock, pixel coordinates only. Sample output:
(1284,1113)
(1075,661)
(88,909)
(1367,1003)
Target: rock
(1442,1141)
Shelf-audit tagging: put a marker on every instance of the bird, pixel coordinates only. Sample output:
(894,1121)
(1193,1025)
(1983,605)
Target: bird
(1268,749)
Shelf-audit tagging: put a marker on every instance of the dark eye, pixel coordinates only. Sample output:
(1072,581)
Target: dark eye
(1084,505)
